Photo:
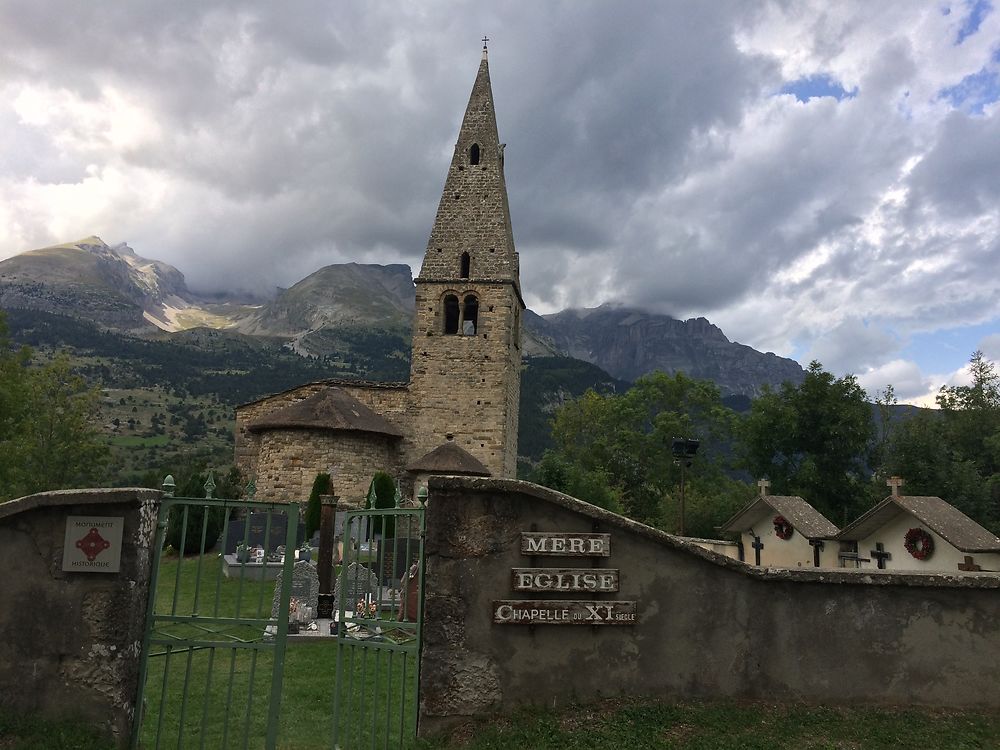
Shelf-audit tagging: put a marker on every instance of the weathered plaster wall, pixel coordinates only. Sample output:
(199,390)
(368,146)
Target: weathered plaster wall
(70,642)
(708,626)
(945,558)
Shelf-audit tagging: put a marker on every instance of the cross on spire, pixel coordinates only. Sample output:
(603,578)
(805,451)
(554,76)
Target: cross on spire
(895,483)
(764,485)
(485,39)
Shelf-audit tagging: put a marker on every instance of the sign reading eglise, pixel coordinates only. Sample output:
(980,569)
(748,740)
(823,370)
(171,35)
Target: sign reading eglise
(597,580)
(533,612)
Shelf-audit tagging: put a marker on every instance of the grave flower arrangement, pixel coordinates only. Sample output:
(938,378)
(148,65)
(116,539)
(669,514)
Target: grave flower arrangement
(242,553)
(782,527)
(919,543)
(366,609)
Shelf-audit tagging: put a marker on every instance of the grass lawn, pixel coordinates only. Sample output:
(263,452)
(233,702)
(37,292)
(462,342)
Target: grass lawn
(645,725)
(217,697)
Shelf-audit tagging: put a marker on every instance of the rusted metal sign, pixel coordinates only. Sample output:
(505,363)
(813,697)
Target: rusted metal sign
(565,545)
(534,612)
(590,580)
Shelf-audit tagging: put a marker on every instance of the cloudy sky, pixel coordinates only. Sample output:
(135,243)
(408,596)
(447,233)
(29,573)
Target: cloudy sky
(821,180)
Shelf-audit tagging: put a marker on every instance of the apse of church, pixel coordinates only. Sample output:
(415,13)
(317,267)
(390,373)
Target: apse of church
(459,411)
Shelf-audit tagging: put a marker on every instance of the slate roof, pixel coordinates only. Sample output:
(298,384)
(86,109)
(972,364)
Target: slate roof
(939,516)
(449,458)
(804,518)
(329,409)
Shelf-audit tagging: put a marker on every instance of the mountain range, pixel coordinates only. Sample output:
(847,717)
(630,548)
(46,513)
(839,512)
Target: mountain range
(347,309)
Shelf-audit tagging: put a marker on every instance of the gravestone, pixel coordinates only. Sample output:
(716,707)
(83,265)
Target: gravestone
(305,586)
(257,523)
(360,583)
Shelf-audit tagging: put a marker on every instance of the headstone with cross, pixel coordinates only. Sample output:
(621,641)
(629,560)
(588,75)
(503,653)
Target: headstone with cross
(757,545)
(969,565)
(880,555)
(895,483)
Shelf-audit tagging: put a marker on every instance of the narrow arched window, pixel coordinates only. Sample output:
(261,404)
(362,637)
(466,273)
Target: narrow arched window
(470,316)
(451,314)
(465,266)
(474,154)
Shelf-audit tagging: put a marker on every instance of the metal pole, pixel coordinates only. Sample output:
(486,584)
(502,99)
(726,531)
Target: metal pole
(682,497)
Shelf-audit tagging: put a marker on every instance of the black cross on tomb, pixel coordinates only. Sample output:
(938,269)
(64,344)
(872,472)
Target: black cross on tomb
(881,555)
(969,565)
(757,545)
(817,545)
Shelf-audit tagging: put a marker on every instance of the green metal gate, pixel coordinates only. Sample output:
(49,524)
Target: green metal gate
(378,622)
(213,654)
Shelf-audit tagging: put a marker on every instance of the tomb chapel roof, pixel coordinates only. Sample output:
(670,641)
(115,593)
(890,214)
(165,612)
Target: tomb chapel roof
(804,518)
(449,458)
(941,517)
(329,409)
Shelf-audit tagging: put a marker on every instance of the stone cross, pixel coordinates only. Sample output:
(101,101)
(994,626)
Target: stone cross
(895,483)
(969,565)
(764,485)
(817,545)
(757,545)
(880,555)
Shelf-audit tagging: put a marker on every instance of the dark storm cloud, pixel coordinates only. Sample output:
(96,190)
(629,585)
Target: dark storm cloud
(652,158)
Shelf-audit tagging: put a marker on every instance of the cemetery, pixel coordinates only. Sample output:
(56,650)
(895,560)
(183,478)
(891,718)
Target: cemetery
(472,595)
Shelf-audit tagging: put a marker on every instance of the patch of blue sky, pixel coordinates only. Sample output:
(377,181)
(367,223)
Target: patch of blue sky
(975,91)
(947,350)
(978,10)
(817,86)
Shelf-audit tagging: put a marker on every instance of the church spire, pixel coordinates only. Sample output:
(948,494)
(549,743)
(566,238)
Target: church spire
(472,236)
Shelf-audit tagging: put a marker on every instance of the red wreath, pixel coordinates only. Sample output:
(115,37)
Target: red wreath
(782,528)
(919,543)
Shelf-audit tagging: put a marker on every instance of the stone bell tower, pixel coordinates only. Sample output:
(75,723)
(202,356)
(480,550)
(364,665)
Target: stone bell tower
(465,377)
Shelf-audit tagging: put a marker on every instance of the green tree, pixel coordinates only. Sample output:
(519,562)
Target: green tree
(186,523)
(48,433)
(954,452)
(815,440)
(614,451)
(321,486)
(382,494)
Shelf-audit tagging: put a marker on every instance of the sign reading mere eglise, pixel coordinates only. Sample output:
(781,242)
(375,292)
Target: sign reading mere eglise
(565,544)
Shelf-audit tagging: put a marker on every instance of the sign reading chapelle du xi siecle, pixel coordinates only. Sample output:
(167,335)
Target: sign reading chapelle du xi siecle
(564,580)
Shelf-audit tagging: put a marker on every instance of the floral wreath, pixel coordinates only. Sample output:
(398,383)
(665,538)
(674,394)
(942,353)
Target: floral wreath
(919,543)
(782,527)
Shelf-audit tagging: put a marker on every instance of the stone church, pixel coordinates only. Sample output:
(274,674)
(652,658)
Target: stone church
(458,412)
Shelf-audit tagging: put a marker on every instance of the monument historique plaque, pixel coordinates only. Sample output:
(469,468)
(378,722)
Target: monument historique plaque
(564,580)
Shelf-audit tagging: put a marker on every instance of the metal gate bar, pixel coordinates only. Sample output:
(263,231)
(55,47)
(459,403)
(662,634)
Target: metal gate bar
(378,657)
(182,632)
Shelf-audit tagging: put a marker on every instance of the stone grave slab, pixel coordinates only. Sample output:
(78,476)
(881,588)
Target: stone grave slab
(305,586)
(360,582)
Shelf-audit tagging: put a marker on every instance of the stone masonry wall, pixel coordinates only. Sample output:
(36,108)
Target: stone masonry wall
(290,459)
(390,400)
(70,642)
(467,385)
(707,626)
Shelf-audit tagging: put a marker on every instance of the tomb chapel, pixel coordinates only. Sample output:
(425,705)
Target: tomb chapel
(458,412)
(782,531)
(924,533)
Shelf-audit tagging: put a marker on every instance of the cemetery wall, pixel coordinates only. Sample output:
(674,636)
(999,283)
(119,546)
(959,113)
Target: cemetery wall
(70,641)
(706,626)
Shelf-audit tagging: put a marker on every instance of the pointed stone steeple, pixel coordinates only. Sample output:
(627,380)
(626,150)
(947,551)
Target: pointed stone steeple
(465,374)
(473,216)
